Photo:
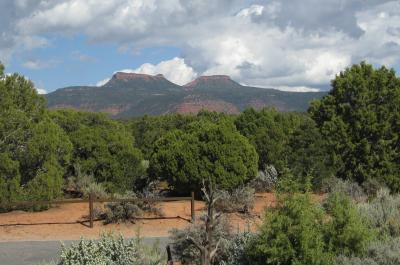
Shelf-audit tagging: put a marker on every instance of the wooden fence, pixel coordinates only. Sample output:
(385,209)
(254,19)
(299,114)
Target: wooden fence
(91,200)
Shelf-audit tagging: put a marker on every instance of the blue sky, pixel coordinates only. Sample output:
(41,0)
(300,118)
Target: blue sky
(75,61)
(285,44)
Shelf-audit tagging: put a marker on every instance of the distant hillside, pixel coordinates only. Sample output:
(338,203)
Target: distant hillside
(128,94)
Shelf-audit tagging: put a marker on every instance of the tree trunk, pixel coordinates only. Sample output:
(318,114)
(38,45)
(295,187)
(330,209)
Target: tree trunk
(207,248)
(204,258)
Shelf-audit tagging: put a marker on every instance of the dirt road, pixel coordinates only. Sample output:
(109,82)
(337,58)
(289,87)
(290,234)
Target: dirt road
(68,222)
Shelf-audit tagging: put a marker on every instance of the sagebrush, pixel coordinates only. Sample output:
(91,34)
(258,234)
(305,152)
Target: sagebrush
(186,251)
(239,200)
(127,211)
(111,250)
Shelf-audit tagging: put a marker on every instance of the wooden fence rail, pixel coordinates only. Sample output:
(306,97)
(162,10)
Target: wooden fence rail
(92,200)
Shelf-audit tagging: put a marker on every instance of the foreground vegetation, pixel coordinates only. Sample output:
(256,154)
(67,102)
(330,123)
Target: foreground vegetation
(297,231)
(348,144)
(110,249)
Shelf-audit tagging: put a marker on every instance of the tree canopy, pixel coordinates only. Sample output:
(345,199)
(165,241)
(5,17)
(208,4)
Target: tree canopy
(148,129)
(291,142)
(204,150)
(102,148)
(33,149)
(360,123)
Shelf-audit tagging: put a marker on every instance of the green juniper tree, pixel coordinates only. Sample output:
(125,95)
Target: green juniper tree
(360,122)
(292,234)
(218,151)
(102,148)
(33,149)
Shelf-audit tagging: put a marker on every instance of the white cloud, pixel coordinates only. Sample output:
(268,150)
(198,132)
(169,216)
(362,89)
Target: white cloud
(256,55)
(252,10)
(381,42)
(41,91)
(39,86)
(39,64)
(175,70)
(77,55)
(285,44)
(102,82)
(298,89)
(11,41)
(32,65)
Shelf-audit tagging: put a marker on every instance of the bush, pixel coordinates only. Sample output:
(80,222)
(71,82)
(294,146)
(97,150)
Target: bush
(111,250)
(151,193)
(239,200)
(344,260)
(289,183)
(184,248)
(97,189)
(291,234)
(236,253)
(347,233)
(85,185)
(265,180)
(383,213)
(128,211)
(46,185)
(378,253)
(299,232)
(350,188)
(122,211)
(372,187)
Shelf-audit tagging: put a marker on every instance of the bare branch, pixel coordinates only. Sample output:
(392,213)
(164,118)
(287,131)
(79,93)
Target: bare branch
(204,190)
(217,215)
(214,200)
(212,254)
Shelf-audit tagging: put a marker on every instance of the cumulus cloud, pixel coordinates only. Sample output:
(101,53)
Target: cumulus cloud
(103,82)
(39,86)
(252,10)
(11,12)
(36,64)
(41,91)
(298,88)
(175,70)
(284,44)
(79,56)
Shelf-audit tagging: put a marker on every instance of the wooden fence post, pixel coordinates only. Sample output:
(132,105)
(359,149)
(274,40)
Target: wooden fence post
(169,256)
(192,212)
(91,210)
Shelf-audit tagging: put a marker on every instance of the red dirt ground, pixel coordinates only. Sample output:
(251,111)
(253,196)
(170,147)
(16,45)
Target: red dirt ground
(66,222)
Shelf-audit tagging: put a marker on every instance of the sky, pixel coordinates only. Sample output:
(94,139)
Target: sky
(295,45)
